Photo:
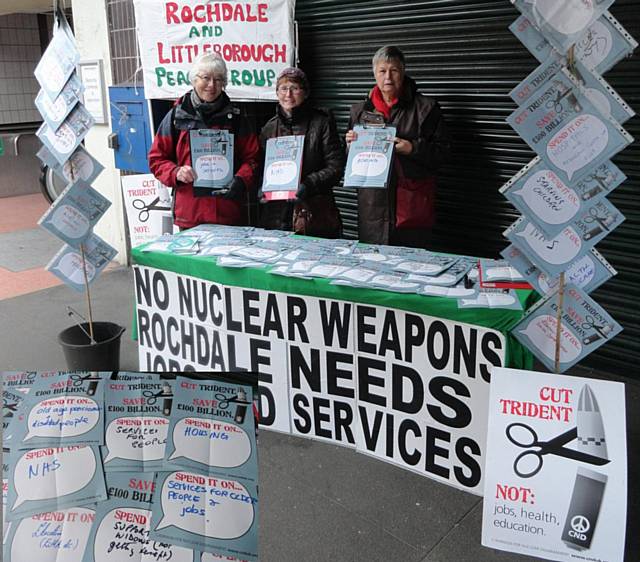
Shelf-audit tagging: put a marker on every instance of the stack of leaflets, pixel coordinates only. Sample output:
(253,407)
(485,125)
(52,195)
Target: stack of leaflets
(500,274)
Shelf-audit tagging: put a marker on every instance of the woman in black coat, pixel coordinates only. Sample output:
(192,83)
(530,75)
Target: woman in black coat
(314,210)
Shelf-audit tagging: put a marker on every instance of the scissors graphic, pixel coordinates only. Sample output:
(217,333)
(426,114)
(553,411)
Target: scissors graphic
(78,380)
(12,408)
(223,401)
(602,329)
(143,215)
(556,104)
(152,397)
(529,463)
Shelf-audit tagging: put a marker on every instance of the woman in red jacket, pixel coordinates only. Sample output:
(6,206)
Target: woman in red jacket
(207,106)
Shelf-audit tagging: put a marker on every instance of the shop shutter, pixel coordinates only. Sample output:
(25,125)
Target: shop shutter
(462,53)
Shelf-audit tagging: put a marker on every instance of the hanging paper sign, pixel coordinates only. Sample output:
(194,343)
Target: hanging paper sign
(213,430)
(148,206)
(566,130)
(136,423)
(554,255)
(588,272)
(121,528)
(54,112)
(206,513)
(211,158)
(256,41)
(370,157)
(63,141)
(58,61)
(80,165)
(556,472)
(62,410)
(562,23)
(282,167)
(539,194)
(54,478)
(599,92)
(584,327)
(67,264)
(74,213)
(601,47)
(55,535)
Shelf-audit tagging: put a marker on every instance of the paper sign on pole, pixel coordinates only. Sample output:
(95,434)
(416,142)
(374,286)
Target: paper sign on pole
(556,476)
(255,39)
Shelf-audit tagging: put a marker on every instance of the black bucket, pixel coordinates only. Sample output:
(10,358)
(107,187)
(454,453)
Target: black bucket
(82,355)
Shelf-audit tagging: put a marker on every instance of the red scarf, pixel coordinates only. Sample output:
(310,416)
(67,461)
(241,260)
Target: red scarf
(380,104)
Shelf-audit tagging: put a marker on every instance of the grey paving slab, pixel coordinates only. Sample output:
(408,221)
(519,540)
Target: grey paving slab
(30,324)
(413,508)
(27,249)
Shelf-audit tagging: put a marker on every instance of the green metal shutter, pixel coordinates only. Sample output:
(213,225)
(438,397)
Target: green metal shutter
(462,53)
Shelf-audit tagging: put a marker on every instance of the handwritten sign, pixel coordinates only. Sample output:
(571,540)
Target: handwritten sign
(48,479)
(206,513)
(282,167)
(370,156)
(68,136)
(255,39)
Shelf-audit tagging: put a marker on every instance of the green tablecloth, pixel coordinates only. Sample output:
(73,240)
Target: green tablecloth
(447,308)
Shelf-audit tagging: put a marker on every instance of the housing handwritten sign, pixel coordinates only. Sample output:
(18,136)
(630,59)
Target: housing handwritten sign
(254,38)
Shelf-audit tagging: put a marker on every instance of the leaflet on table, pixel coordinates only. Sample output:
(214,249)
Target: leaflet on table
(206,513)
(62,142)
(74,213)
(211,158)
(585,326)
(539,194)
(49,537)
(212,430)
(282,167)
(80,165)
(55,111)
(601,47)
(61,410)
(233,261)
(596,88)
(492,298)
(395,282)
(54,478)
(554,255)
(450,277)
(456,292)
(566,130)
(588,272)
(184,245)
(499,274)
(67,263)
(370,157)
(11,400)
(556,467)
(426,264)
(562,23)
(121,527)
(58,61)
(136,424)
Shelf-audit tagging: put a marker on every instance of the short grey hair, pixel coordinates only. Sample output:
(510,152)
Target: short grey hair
(209,64)
(388,53)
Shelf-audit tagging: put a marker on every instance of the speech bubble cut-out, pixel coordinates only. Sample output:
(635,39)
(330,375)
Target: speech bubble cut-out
(549,198)
(53,474)
(123,534)
(501,300)
(137,438)
(211,507)
(212,166)
(565,17)
(595,46)
(541,331)
(78,166)
(55,109)
(70,221)
(67,416)
(281,173)
(580,273)
(211,442)
(368,164)
(70,266)
(63,140)
(561,249)
(579,142)
(60,537)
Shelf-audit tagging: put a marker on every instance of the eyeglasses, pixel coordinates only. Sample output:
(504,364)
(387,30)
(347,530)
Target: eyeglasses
(210,79)
(287,89)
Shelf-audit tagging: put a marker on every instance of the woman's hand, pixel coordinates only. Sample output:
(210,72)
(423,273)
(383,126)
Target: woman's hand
(403,146)
(350,136)
(185,174)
